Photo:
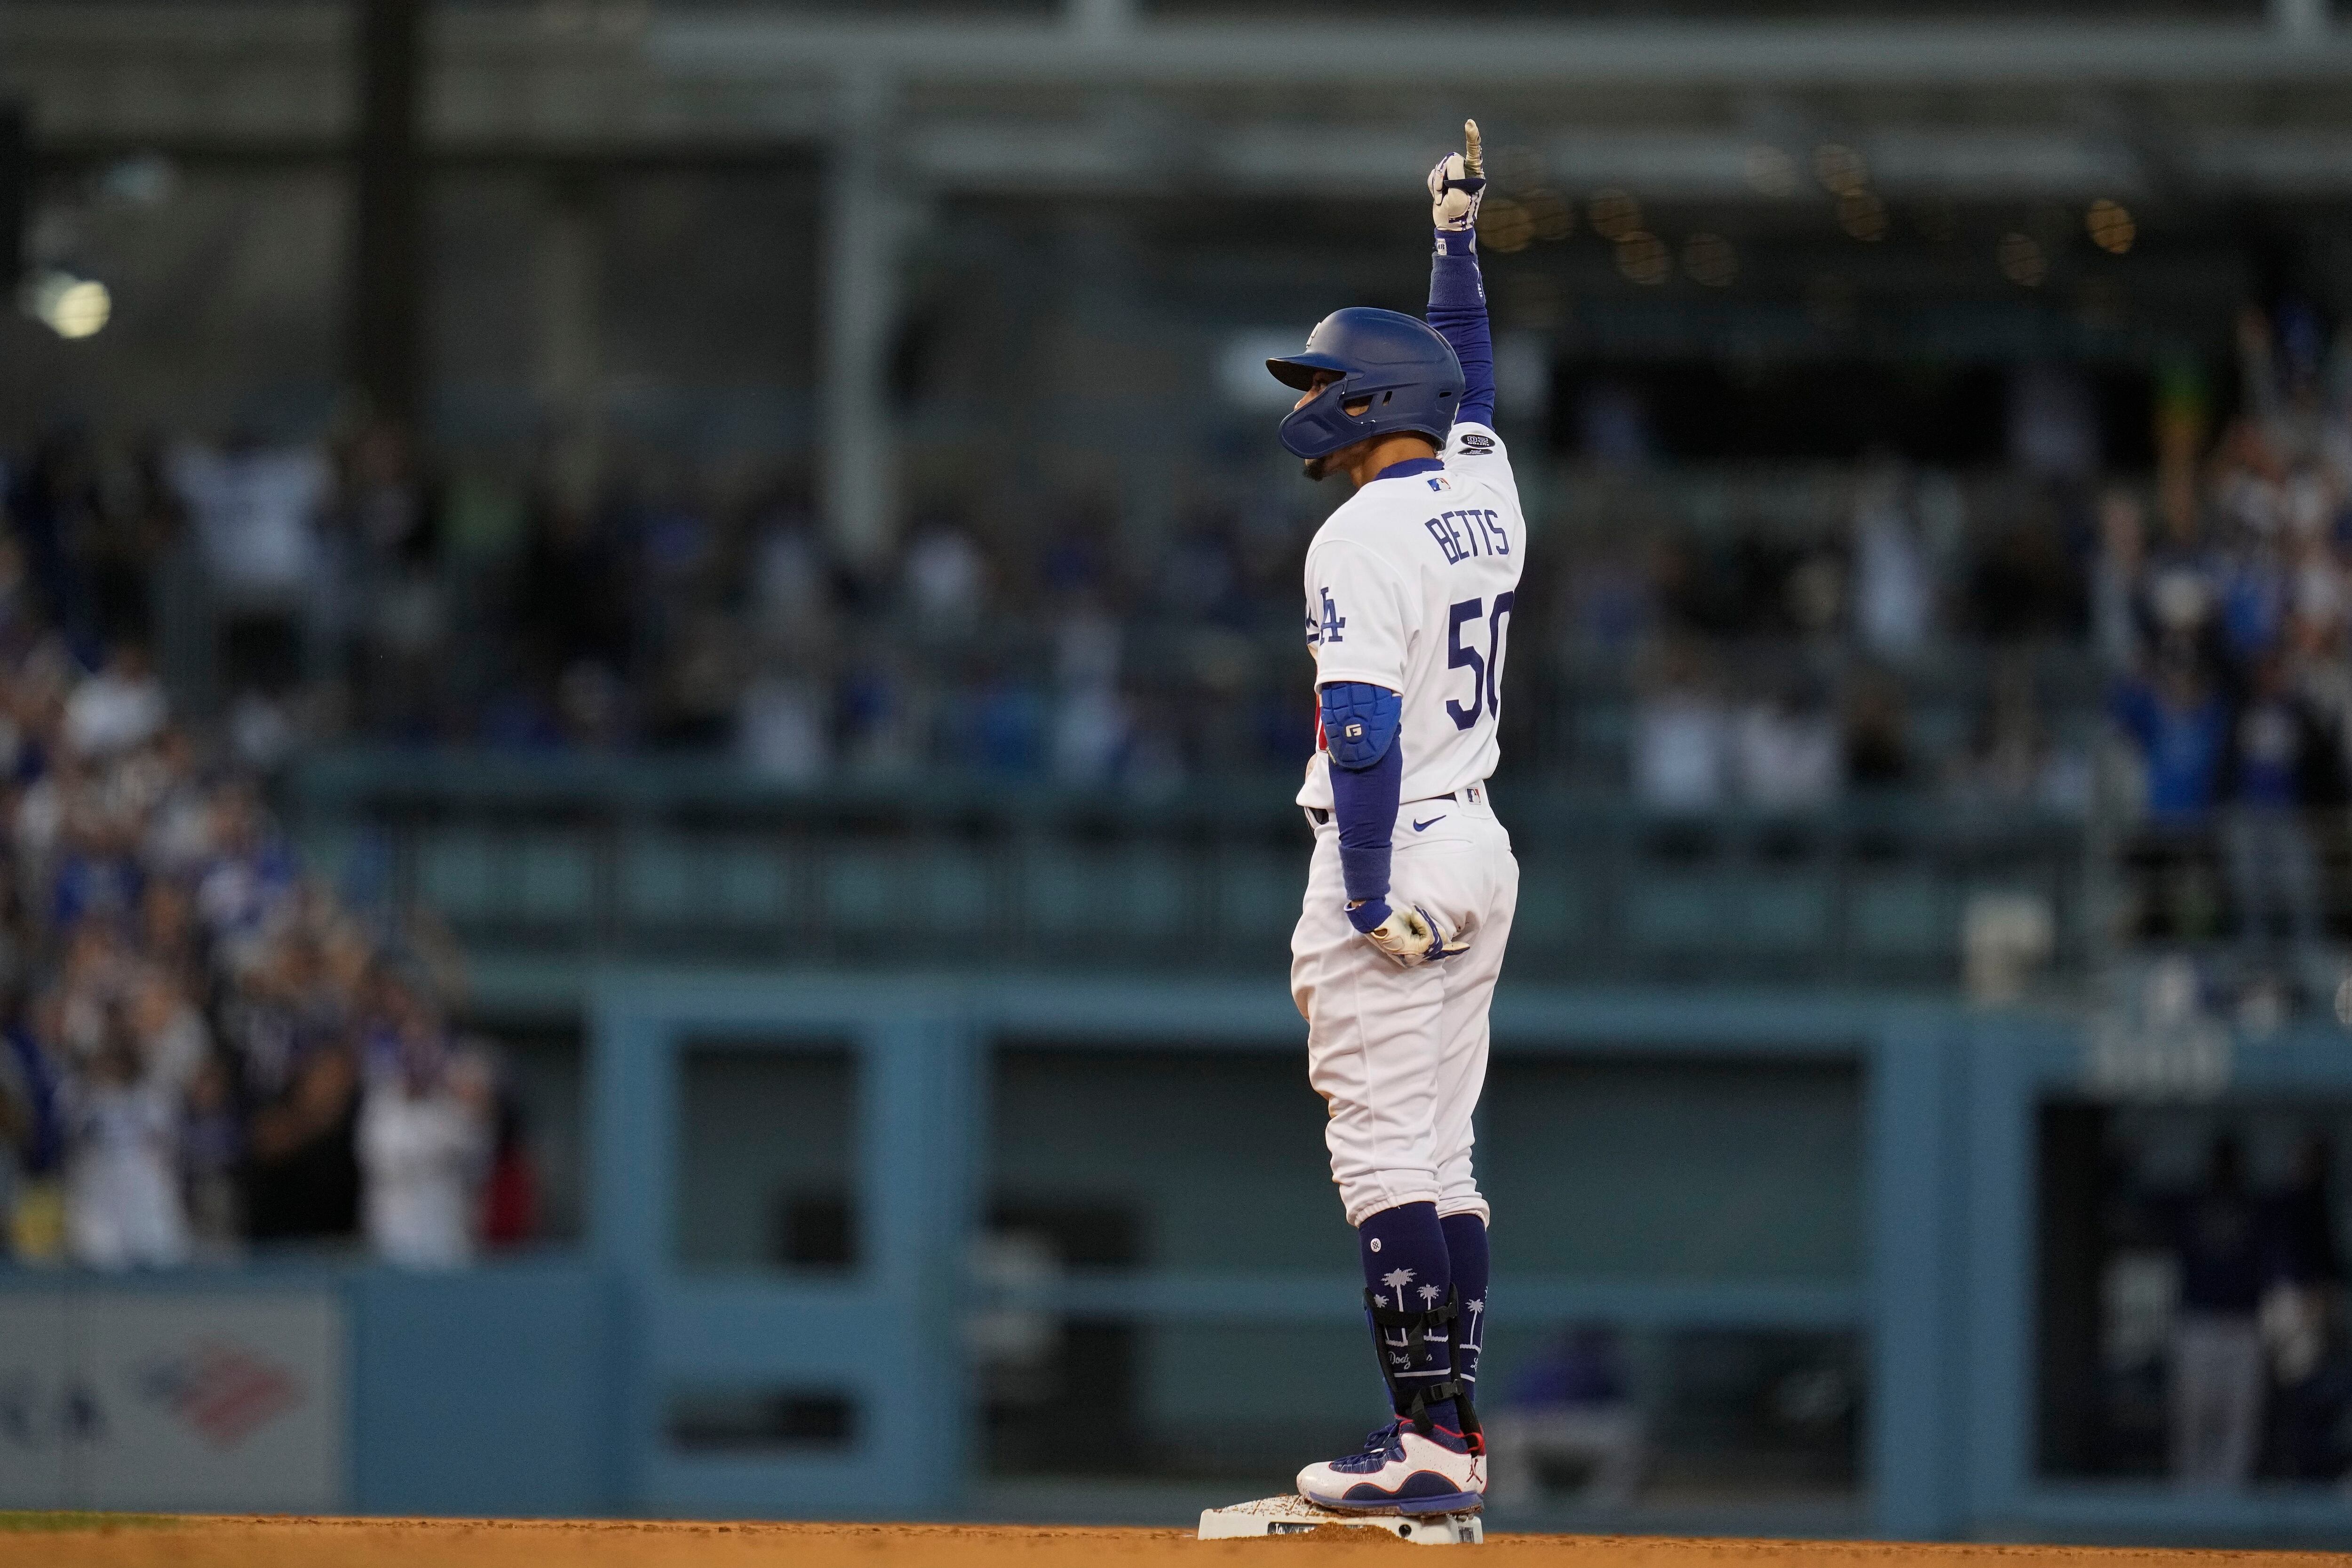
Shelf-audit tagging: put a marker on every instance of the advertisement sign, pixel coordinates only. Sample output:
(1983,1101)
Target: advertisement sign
(219,1402)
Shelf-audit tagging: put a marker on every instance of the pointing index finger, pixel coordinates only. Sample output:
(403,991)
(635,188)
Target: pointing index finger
(1473,157)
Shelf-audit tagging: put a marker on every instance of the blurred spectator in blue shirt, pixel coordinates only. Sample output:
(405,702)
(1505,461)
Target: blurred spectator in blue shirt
(2181,724)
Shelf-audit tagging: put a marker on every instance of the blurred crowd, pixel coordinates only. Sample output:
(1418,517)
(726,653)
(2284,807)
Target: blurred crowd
(2226,623)
(1770,635)
(202,1050)
(2204,694)
(1913,650)
(1899,632)
(351,591)
(1815,633)
(2231,631)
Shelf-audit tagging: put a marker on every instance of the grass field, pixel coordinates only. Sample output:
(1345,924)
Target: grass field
(104,1540)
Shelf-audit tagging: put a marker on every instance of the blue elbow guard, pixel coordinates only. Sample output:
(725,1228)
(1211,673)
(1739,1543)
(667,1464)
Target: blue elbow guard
(1360,722)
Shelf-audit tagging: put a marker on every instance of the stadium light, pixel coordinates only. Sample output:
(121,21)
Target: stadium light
(2111,226)
(1614,215)
(68,306)
(1642,257)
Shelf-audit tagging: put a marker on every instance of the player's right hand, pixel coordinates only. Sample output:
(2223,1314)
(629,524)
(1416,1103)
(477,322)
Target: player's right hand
(1413,934)
(1456,183)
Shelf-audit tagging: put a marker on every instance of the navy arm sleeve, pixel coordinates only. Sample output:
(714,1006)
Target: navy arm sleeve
(1360,729)
(1457,309)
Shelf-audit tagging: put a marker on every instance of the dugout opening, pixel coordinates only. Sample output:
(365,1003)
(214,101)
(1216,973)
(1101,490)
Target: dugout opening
(2191,1313)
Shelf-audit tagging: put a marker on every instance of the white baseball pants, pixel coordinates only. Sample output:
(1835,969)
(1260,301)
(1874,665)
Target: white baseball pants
(1400,1055)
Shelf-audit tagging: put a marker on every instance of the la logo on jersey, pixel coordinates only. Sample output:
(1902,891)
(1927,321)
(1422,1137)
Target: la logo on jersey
(1328,629)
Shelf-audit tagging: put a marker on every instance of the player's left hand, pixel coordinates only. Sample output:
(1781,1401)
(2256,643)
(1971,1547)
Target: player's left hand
(1456,183)
(1411,934)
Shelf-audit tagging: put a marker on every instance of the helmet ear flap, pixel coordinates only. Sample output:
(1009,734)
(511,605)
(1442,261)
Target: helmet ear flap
(1322,425)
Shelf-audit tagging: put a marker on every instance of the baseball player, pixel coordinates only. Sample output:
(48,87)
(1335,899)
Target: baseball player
(1409,899)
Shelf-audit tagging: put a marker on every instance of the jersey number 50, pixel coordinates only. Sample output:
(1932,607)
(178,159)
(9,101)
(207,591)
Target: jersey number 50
(1487,670)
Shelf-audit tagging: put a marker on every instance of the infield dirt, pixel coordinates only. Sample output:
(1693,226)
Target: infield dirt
(227,1542)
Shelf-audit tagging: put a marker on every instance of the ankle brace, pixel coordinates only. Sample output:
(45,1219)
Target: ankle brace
(1415,1343)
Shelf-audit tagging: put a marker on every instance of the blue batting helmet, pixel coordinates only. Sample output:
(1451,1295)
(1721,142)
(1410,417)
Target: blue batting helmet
(1397,362)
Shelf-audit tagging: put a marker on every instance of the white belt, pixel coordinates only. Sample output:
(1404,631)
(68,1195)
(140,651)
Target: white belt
(1468,794)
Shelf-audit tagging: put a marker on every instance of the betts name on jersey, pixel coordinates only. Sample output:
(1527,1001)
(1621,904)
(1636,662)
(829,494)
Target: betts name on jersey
(1409,585)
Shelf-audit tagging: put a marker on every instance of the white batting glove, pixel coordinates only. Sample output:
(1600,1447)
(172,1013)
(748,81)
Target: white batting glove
(1456,183)
(1412,935)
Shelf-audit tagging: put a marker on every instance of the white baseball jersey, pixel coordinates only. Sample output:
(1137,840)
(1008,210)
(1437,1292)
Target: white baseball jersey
(1409,585)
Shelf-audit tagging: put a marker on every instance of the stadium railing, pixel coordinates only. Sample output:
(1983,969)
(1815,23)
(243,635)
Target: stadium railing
(573,858)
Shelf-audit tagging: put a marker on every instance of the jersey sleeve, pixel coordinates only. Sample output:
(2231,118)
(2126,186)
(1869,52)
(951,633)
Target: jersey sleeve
(1474,452)
(1358,615)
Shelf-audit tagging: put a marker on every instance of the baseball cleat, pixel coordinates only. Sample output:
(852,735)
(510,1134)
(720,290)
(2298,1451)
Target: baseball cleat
(1398,1470)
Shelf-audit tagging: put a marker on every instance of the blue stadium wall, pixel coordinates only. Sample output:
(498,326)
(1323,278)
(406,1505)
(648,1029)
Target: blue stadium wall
(1659,1159)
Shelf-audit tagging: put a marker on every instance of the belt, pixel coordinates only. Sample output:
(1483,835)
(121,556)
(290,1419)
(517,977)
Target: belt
(1468,794)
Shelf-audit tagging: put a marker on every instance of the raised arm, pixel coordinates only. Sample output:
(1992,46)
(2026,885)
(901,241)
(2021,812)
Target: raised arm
(1457,297)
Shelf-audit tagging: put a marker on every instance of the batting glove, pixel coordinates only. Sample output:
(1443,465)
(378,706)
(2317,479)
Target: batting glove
(1409,936)
(1456,183)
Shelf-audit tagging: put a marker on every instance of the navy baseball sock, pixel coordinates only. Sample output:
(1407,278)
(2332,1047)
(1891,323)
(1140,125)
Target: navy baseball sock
(1466,1249)
(1406,1266)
